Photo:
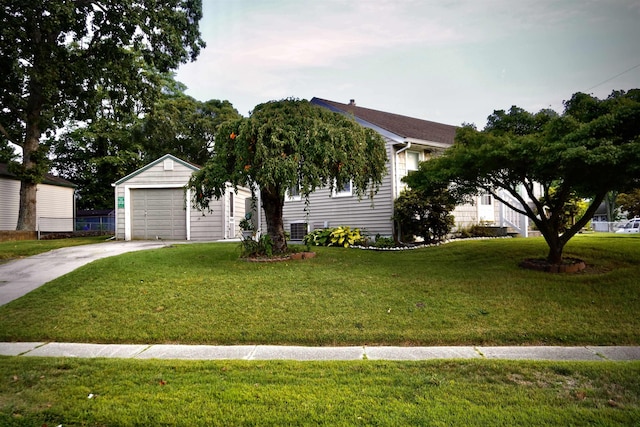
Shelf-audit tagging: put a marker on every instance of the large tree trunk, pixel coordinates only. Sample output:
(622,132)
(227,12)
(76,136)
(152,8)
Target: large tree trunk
(273,203)
(555,252)
(31,173)
(27,214)
(29,178)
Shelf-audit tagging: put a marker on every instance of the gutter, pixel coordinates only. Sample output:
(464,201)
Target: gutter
(395,183)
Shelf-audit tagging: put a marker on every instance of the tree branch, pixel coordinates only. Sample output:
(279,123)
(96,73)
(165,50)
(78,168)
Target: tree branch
(6,135)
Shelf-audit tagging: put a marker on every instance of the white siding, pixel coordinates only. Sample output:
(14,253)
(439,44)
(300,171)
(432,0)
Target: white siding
(9,203)
(323,207)
(54,206)
(208,225)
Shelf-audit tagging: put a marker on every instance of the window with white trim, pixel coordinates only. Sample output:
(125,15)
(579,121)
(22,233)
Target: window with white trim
(485,199)
(293,193)
(345,191)
(413,159)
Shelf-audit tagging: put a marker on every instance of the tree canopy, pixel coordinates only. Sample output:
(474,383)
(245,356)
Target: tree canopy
(290,144)
(630,202)
(64,61)
(545,161)
(114,145)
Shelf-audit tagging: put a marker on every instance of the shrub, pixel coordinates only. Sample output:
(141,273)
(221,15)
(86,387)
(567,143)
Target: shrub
(383,242)
(417,213)
(255,248)
(338,236)
(475,230)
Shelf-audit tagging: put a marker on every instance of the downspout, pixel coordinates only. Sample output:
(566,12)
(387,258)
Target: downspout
(396,180)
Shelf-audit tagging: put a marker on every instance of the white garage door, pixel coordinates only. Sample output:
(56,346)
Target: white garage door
(158,212)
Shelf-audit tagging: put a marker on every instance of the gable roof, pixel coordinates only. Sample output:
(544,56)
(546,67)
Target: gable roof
(48,178)
(155,162)
(402,126)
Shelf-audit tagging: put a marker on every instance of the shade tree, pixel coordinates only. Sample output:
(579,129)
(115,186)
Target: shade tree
(290,144)
(539,164)
(64,60)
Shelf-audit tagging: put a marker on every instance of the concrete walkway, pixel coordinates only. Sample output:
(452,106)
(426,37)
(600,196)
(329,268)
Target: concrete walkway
(24,275)
(21,276)
(268,352)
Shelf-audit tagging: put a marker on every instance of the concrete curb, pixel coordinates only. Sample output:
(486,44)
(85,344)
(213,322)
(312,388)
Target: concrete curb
(301,353)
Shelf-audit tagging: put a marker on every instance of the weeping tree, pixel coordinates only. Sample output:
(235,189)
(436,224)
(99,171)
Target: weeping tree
(544,162)
(290,144)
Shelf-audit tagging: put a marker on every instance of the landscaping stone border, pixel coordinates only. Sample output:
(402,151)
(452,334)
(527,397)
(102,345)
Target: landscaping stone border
(429,245)
(291,257)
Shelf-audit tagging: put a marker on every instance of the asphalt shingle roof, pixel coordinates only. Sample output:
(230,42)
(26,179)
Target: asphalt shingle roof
(48,178)
(406,127)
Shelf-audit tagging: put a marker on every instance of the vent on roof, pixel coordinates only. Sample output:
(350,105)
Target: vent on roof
(352,102)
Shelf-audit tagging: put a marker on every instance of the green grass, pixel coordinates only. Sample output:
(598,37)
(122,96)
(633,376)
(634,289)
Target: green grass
(469,292)
(39,391)
(24,248)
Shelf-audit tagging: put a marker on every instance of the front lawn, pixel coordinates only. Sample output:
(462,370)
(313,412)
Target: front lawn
(75,392)
(23,248)
(467,292)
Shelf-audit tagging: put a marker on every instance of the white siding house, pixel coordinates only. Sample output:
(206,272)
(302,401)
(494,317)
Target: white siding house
(153,202)
(408,142)
(55,202)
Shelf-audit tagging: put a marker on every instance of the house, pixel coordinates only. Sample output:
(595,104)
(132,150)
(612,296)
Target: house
(408,142)
(153,202)
(55,202)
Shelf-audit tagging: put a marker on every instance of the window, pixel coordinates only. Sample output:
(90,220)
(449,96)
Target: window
(485,199)
(231,207)
(413,158)
(293,193)
(298,230)
(344,191)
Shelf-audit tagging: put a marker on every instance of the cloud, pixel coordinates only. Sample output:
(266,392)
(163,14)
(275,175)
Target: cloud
(409,51)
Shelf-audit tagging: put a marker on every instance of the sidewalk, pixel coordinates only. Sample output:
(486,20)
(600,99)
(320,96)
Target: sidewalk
(268,352)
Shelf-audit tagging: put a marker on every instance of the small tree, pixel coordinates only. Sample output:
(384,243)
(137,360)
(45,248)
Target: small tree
(630,202)
(592,149)
(417,213)
(288,144)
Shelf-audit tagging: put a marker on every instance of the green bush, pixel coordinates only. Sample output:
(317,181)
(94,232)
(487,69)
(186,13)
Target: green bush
(475,230)
(255,248)
(383,242)
(416,213)
(338,236)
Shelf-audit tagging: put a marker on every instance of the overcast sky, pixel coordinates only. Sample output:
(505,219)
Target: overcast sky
(450,61)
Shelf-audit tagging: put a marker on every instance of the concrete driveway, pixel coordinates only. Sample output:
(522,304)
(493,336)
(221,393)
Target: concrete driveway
(21,276)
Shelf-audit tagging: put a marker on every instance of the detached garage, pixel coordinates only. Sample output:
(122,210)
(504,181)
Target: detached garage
(153,202)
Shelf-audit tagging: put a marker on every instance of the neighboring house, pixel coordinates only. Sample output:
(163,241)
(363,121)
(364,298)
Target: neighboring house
(55,202)
(408,142)
(153,202)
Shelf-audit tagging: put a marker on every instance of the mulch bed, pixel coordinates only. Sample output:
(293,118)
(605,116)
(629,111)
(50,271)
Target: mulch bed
(569,265)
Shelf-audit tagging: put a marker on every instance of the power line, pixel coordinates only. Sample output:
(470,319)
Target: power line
(611,78)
